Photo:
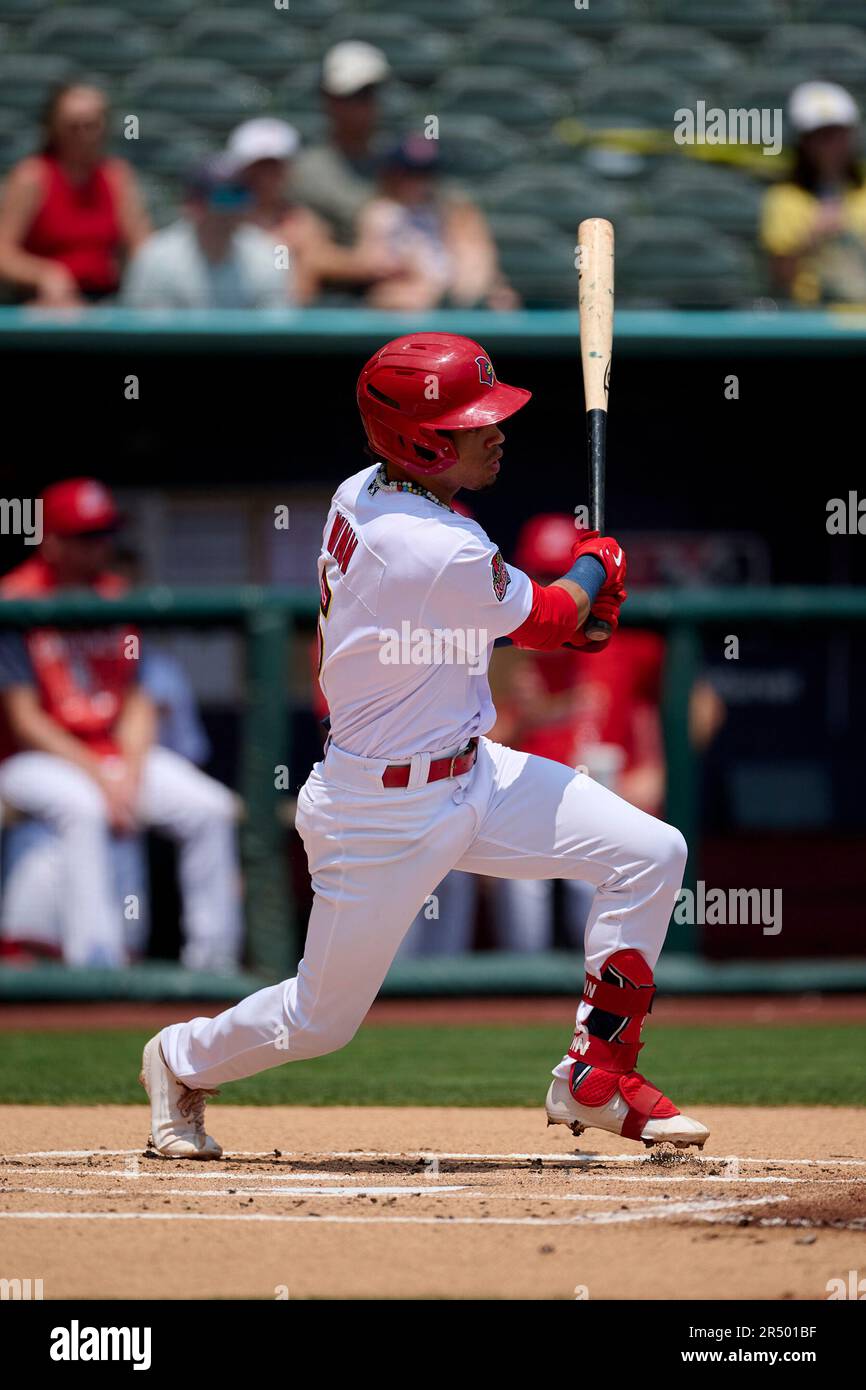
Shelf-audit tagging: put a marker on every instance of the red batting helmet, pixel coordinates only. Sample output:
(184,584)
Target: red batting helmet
(414,386)
(544,544)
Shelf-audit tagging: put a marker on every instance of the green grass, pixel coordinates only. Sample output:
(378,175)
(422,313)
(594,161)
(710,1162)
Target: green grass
(491,1065)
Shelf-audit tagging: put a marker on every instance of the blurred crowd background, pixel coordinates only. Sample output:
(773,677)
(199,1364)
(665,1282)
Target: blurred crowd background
(166,155)
(440,152)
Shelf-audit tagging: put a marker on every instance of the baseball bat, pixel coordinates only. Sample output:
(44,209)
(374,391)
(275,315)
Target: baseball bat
(595,297)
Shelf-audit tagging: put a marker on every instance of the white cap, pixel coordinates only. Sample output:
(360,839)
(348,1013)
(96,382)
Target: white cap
(262,138)
(813,105)
(350,66)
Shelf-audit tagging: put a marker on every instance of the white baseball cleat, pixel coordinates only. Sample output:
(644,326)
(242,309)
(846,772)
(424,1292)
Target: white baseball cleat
(563,1109)
(176,1111)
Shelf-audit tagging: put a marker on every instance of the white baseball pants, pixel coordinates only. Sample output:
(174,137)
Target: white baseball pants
(176,797)
(375,854)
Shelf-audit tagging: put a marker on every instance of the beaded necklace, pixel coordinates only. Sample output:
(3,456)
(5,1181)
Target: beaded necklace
(381,480)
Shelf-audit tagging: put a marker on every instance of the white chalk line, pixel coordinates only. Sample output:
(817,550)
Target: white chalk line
(428,1156)
(195,1175)
(476,1194)
(611,1218)
(362,1191)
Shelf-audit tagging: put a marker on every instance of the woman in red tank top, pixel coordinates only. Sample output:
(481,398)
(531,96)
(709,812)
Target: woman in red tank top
(70,215)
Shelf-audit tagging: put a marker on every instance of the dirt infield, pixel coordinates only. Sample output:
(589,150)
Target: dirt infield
(431,1203)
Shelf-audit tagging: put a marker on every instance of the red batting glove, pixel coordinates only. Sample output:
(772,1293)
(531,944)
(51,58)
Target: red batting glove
(612,593)
(607,608)
(609,553)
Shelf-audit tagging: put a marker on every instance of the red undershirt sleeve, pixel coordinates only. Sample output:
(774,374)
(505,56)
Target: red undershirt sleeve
(552,620)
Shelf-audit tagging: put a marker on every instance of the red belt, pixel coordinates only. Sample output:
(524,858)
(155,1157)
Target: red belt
(397,775)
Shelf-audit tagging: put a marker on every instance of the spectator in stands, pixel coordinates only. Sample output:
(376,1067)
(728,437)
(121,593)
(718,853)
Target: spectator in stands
(442,244)
(261,153)
(337,177)
(77,751)
(211,258)
(69,215)
(813,225)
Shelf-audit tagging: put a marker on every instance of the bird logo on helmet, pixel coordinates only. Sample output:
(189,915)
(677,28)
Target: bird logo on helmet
(416,386)
(486,373)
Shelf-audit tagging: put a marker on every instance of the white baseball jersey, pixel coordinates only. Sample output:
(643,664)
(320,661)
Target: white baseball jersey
(412,598)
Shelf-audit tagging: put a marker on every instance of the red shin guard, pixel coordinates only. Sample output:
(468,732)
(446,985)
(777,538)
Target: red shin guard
(605,1055)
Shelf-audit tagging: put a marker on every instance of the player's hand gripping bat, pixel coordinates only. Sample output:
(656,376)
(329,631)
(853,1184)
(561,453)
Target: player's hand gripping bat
(595,294)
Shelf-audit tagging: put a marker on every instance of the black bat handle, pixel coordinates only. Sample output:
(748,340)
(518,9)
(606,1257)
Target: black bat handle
(596,449)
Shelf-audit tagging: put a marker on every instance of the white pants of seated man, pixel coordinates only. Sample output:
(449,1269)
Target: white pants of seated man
(176,797)
(524,912)
(376,853)
(32,903)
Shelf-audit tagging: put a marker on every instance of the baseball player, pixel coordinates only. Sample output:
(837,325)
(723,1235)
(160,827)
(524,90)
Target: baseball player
(78,753)
(413,596)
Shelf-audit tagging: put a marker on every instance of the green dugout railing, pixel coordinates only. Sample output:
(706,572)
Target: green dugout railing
(267,618)
(553,332)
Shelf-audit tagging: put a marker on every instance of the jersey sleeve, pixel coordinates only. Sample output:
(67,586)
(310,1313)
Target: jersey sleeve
(15,664)
(477,589)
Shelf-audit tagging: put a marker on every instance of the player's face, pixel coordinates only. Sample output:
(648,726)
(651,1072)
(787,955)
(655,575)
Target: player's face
(478,454)
(78,559)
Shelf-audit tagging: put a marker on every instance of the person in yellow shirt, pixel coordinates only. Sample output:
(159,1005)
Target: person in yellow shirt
(813,226)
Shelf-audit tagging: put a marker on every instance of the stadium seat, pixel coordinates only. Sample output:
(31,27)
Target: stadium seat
(680,50)
(725,197)
(163,199)
(599,18)
(475,146)
(151,12)
(564,196)
(298,92)
(742,20)
(26,79)
(626,96)
(538,258)
(103,39)
(833,51)
(22,11)
(416,53)
(500,92)
(683,262)
(765,88)
(536,46)
(260,44)
(206,92)
(818,11)
(17,140)
(303,14)
(440,14)
(166,147)
(310,125)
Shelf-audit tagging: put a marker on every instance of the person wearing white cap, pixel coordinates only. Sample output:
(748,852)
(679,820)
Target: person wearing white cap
(813,225)
(211,257)
(336,177)
(261,153)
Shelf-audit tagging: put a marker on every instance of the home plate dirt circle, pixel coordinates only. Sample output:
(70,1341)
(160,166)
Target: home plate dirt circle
(431,1203)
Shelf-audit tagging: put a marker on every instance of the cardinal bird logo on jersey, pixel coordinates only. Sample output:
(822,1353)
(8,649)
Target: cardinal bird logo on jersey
(486,374)
(501,577)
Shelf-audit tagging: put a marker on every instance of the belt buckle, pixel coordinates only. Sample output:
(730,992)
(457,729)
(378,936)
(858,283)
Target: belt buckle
(461,753)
